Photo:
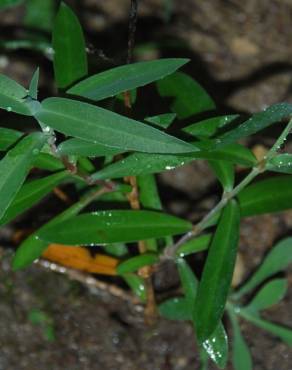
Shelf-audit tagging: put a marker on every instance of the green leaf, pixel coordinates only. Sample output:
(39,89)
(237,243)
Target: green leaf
(33,86)
(224,171)
(12,96)
(33,247)
(70,60)
(15,166)
(217,274)
(113,227)
(162,120)
(196,245)
(190,97)
(100,126)
(30,194)
(241,357)
(276,260)
(281,163)
(147,163)
(266,196)
(128,77)
(39,14)
(257,122)
(137,284)
(209,127)
(175,309)
(48,162)
(7,3)
(216,346)
(135,263)
(189,283)
(280,331)
(8,137)
(269,295)
(116,249)
(85,148)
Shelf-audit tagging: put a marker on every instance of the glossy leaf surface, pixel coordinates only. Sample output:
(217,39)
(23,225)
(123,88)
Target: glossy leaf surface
(217,273)
(175,309)
(97,125)
(269,295)
(137,284)
(15,166)
(209,127)
(146,163)
(33,86)
(70,60)
(8,137)
(113,227)
(162,120)
(257,122)
(276,260)
(30,194)
(189,97)
(12,96)
(266,196)
(85,148)
(128,77)
(224,171)
(33,247)
(196,245)
(135,263)
(216,346)
(281,163)
(48,162)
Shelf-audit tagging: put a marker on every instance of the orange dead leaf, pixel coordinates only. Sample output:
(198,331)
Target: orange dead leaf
(79,258)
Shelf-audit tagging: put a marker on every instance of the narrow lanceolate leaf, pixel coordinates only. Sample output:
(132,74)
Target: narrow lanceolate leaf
(189,97)
(217,274)
(48,162)
(175,309)
(257,122)
(12,96)
(209,127)
(15,166)
(113,227)
(81,147)
(70,61)
(135,263)
(241,357)
(147,163)
(189,283)
(162,120)
(266,196)
(216,346)
(128,77)
(8,137)
(281,163)
(224,171)
(269,295)
(33,247)
(195,245)
(137,284)
(276,260)
(100,126)
(30,194)
(33,86)
(280,331)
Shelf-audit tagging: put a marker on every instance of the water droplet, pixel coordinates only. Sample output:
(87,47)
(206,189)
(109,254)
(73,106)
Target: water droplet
(9,109)
(46,129)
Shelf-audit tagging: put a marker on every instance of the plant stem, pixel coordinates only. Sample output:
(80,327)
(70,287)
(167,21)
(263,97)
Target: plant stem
(170,252)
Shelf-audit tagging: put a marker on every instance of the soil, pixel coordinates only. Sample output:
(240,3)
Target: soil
(240,52)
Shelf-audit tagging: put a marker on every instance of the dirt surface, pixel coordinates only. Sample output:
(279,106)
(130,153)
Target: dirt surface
(241,52)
